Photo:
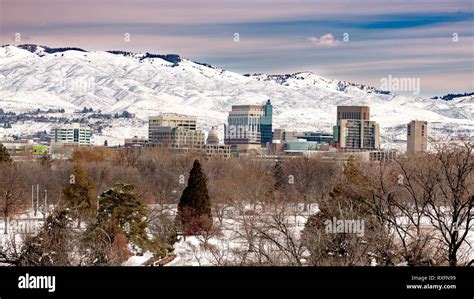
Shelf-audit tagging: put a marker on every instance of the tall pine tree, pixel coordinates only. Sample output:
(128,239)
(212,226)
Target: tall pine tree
(194,208)
(121,210)
(80,194)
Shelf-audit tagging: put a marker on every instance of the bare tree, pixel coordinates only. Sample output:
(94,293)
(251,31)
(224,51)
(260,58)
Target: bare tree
(11,191)
(400,196)
(282,235)
(451,206)
(311,177)
(10,249)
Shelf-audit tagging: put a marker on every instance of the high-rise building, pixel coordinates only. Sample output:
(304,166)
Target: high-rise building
(249,126)
(354,130)
(171,120)
(353,112)
(417,137)
(175,131)
(266,126)
(74,134)
(243,131)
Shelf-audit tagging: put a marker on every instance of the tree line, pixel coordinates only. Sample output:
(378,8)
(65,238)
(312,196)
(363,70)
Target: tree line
(109,205)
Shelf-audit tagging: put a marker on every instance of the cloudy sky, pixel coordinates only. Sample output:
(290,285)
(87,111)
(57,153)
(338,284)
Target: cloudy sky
(361,41)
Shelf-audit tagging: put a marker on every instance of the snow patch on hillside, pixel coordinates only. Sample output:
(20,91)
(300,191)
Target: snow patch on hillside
(113,83)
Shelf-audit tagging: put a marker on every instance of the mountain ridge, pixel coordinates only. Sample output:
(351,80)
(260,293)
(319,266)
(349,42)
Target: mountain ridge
(147,84)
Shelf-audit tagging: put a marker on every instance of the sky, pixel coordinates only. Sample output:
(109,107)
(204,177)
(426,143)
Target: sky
(364,41)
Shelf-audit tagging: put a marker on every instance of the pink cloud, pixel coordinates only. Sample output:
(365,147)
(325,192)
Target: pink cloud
(326,40)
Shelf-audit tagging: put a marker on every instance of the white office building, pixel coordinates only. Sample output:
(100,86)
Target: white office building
(74,134)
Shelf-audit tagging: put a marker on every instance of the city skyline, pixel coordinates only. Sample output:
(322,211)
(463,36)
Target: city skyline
(311,136)
(359,42)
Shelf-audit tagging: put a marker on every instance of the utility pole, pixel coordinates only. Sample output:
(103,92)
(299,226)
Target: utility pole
(37,198)
(45,209)
(33,197)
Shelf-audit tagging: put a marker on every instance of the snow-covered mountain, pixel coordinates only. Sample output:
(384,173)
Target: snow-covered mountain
(33,77)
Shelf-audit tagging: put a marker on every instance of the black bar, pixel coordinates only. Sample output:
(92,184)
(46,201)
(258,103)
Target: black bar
(239,282)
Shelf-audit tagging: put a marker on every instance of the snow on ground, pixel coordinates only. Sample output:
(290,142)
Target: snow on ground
(467,248)
(18,226)
(137,260)
(225,246)
(128,129)
(221,248)
(192,251)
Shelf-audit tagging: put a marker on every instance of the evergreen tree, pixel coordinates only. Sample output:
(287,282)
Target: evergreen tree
(194,208)
(80,194)
(349,200)
(353,184)
(351,170)
(4,155)
(122,211)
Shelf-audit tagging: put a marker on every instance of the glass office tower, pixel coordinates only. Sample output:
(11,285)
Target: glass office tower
(266,124)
